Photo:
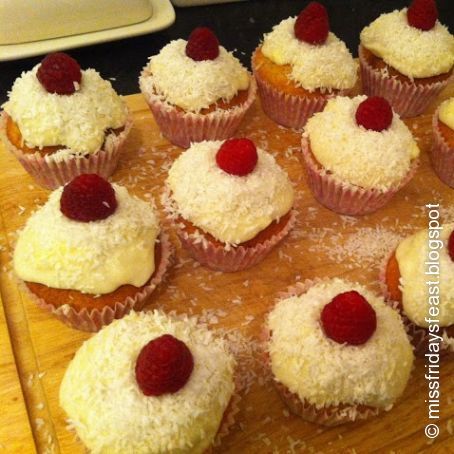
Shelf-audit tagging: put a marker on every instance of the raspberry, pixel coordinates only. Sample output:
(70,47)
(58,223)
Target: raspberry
(349,318)
(374,113)
(88,198)
(202,44)
(58,72)
(163,366)
(312,24)
(451,246)
(422,14)
(237,156)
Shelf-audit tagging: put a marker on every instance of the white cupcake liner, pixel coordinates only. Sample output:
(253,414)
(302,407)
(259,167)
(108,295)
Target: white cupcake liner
(52,173)
(228,419)
(343,197)
(183,128)
(93,320)
(406,98)
(441,154)
(234,259)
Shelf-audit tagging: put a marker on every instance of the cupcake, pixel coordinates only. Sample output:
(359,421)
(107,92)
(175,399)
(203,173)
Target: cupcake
(61,121)
(337,352)
(407,57)
(358,153)
(300,65)
(92,253)
(196,89)
(230,202)
(442,150)
(152,384)
(423,290)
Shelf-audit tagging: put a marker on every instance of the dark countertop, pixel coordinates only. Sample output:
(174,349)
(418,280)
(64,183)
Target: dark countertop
(238,26)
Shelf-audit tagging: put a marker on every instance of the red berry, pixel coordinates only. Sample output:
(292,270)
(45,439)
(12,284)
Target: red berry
(202,44)
(88,198)
(58,72)
(163,366)
(422,14)
(451,246)
(349,318)
(374,113)
(312,24)
(237,156)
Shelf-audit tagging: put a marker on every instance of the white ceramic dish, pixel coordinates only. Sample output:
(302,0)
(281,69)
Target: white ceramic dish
(163,16)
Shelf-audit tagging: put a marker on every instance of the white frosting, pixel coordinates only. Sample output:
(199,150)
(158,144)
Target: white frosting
(329,66)
(194,85)
(111,415)
(446,113)
(411,51)
(411,254)
(233,209)
(362,157)
(91,257)
(77,122)
(323,372)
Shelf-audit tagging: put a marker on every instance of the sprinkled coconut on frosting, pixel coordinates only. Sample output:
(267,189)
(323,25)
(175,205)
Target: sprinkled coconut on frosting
(194,85)
(411,255)
(77,122)
(411,51)
(329,66)
(110,413)
(362,157)
(232,208)
(91,257)
(324,372)
(446,113)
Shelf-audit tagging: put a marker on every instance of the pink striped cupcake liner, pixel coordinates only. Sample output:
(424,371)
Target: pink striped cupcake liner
(238,258)
(406,98)
(93,320)
(182,128)
(343,197)
(441,155)
(51,172)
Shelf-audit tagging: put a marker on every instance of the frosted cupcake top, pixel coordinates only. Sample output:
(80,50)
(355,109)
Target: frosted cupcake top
(100,394)
(77,122)
(411,255)
(92,257)
(326,66)
(360,156)
(411,51)
(446,112)
(324,372)
(194,85)
(232,208)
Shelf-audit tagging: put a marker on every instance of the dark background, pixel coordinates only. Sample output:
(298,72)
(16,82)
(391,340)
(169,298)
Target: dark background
(239,26)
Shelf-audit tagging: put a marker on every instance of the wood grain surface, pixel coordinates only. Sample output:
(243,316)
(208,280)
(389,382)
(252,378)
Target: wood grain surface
(323,244)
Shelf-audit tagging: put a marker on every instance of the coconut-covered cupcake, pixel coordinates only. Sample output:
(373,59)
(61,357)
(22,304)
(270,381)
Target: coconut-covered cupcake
(407,57)
(424,293)
(230,201)
(358,153)
(300,65)
(150,384)
(337,352)
(91,253)
(61,121)
(442,150)
(196,89)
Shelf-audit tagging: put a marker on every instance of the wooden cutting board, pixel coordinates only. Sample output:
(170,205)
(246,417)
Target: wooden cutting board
(323,244)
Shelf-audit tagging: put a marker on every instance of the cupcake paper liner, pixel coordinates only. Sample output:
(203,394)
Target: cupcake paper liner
(419,336)
(93,320)
(52,173)
(228,419)
(234,259)
(407,99)
(343,197)
(441,155)
(182,128)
